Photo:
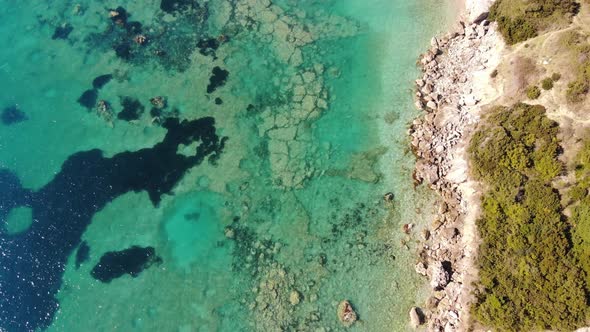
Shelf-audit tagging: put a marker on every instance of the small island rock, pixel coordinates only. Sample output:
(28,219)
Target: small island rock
(346,313)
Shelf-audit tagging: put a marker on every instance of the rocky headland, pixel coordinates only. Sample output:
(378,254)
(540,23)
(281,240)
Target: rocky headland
(452,91)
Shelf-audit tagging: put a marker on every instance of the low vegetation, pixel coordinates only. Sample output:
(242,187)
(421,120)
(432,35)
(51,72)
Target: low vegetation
(575,42)
(580,218)
(531,277)
(533,92)
(547,83)
(519,20)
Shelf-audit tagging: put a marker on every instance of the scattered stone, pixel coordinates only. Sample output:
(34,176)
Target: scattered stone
(294,297)
(104,110)
(388,197)
(407,228)
(158,102)
(140,39)
(346,313)
(229,233)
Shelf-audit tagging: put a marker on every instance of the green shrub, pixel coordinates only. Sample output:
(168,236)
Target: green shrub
(547,83)
(516,30)
(533,92)
(494,73)
(576,91)
(578,193)
(555,77)
(530,278)
(519,20)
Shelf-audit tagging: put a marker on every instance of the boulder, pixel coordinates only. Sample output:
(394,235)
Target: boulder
(416,317)
(439,276)
(481,17)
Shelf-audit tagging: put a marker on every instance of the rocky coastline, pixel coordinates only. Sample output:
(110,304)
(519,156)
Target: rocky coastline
(453,89)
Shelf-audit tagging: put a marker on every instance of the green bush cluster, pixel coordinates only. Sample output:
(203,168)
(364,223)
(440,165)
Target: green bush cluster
(530,278)
(547,83)
(519,20)
(580,218)
(577,90)
(533,92)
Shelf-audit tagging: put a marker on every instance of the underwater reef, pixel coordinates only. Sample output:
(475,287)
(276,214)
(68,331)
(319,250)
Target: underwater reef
(33,261)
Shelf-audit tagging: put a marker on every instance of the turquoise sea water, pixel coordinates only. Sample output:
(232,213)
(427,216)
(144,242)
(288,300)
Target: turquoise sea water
(261,221)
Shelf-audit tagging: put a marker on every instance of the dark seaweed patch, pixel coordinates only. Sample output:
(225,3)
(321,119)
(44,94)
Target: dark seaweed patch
(123,50)
(218,101)
(155,112)
(171,44)
(195,216)
(171,6)
(131,261)
(133,27)
(62,31)
(88,98)
(218,79)
(208,46)
(101,81)
(32,262)
(82,254)
(12,114)
(132,109)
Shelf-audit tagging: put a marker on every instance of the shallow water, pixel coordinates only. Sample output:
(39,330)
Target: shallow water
(262,220)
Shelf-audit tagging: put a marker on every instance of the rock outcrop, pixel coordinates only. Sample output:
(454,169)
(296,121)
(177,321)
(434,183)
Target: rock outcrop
(453,88)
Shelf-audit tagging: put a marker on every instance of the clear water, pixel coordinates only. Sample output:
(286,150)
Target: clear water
(315,109)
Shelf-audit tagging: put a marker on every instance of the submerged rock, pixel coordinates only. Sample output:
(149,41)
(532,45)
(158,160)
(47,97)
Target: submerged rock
(346,313)
(159,102)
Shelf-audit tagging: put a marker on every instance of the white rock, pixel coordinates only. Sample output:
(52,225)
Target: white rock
(420,268)
(439,277)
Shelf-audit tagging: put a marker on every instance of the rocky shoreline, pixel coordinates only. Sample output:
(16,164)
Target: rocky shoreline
(454,87)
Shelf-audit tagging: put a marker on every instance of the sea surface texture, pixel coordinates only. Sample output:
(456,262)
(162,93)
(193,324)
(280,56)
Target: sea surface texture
(220,165)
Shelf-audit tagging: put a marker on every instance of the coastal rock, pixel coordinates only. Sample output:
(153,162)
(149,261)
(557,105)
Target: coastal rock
(416,317)
(420,268)
(346,313)
(439,276)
